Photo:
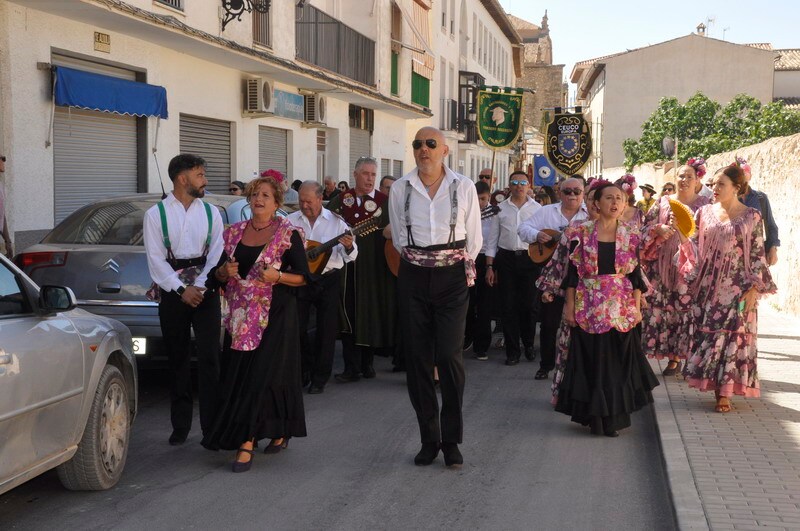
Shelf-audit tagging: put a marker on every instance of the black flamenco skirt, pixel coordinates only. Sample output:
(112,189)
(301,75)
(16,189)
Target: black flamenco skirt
(261,393)
(606,378)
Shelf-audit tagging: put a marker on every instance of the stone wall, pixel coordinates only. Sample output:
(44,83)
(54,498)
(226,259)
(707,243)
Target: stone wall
(775,166)
(547,81)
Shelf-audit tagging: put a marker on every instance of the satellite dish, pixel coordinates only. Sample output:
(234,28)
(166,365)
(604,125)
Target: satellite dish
(668,147)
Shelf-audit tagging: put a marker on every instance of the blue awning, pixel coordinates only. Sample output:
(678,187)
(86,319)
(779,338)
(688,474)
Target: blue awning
(96,92)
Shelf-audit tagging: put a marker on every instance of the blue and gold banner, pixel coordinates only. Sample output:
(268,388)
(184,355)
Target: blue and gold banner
(568,142)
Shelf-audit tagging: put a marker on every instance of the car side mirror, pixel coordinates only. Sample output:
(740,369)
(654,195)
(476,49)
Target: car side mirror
(56,299)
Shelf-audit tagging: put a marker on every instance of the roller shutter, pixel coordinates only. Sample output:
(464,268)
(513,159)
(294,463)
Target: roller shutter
(360,145)
(211,140)
(273,149)
(94,156)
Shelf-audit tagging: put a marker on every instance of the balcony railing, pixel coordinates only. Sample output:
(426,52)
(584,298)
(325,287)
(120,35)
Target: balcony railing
(326,42)
(469,83)
(448,121)
(465,125)
(177,4)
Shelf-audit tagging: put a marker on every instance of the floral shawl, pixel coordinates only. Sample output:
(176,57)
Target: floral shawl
(249,299)
(603,302)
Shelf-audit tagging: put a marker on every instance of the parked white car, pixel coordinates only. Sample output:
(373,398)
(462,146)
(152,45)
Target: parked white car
(68,391)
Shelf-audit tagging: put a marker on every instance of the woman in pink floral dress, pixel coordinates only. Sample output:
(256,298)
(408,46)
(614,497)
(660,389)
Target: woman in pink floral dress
(262,397)
(606,376)
(665,331)
(726,270)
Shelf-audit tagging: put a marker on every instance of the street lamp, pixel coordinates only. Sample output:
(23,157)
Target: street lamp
(234,9)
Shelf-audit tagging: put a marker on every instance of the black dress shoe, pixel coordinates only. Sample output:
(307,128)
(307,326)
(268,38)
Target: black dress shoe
(346,377)
(612,433)
(427,454)
(178,437)
(512,361)
(530,355)
(316,389)
(368,372)
(452,455)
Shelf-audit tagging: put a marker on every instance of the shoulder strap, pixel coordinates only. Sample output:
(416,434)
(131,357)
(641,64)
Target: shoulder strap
(164,229)
(410,237)
(453,210)
(210,224)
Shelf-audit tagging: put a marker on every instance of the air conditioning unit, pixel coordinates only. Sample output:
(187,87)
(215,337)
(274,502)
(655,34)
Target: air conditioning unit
(315,110)
(259,96)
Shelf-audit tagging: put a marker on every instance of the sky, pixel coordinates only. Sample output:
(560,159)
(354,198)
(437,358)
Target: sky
(584,29)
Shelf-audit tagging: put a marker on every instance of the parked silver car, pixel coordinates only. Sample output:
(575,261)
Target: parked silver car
(68,390)
(98,251)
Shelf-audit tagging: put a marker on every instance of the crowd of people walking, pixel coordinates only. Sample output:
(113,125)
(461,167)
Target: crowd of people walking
(419,267)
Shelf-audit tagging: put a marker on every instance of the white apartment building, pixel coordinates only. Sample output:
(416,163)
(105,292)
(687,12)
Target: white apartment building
(305,88)
(469,43)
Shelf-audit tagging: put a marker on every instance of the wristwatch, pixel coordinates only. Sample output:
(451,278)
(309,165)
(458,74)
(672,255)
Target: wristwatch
(489,266)
(180,290)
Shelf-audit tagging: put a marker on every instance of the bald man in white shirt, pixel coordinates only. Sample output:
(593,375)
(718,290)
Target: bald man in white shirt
(436,227)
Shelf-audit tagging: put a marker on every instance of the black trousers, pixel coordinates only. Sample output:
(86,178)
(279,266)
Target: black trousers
(479,315)
(550,317)
(433,309)
(177,320)
(317,352)
(517,275)
(357,358)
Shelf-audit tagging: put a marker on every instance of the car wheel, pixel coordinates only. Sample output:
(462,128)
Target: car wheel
(101,455)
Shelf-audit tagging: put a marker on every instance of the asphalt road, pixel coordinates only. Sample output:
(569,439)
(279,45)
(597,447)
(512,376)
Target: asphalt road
(526,467)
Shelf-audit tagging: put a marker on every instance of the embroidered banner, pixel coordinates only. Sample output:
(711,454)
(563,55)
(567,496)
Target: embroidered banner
(499,116)
(568,143)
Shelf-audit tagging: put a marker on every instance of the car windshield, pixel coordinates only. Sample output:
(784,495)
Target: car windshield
(118,223)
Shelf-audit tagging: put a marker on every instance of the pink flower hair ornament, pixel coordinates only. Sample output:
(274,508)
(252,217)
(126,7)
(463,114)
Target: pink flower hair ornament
(699,165)
(742,163)
(627,183)
(275,174)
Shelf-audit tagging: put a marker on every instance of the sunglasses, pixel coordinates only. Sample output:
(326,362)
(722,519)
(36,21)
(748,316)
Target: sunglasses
(3,158)
(571,191)
(668,190)
(430,142)
(233,189)
(518,183)
(484,176)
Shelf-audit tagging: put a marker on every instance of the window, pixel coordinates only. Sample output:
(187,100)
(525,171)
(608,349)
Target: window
(479,38)
(444,15)
(420,90)
(261,34)
(452,17)
(395,77)
(12,299)
(386,165)
(177,4)
(474,35)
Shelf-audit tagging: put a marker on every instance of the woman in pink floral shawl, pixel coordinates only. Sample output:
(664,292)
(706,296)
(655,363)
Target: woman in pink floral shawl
(264,261)
(606,376)
(726,271)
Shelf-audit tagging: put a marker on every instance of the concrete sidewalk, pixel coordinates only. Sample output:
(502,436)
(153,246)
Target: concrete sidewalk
(739,470)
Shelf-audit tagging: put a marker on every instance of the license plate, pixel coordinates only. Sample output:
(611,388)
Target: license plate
(139,345)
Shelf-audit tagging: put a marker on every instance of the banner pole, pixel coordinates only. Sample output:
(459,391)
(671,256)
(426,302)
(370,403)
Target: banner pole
(494,152)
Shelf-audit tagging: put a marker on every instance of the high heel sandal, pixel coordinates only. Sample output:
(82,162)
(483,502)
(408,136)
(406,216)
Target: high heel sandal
(672,368)
(273,448)
(721,407)
(242,466)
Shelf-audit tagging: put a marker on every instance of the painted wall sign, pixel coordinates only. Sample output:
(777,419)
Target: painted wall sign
(102,42)
(289,105)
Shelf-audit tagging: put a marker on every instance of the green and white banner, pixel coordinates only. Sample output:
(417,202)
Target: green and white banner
(499,116)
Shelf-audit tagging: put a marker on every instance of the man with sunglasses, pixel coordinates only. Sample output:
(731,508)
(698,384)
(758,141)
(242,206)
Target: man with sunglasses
(508,267)
(368,287)
(436,227)
(9,250)
(556,217)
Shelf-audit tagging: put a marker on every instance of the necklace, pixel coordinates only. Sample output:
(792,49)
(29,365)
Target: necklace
(429,186)
(257,229)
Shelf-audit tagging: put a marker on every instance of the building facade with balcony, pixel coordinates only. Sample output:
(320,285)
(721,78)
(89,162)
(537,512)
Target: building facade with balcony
(96,96)
(456,46)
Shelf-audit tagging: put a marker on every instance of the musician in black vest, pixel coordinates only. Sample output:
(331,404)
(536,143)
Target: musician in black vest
(321,225)
(509,267)
(436,226)
(183,241)
(555,217)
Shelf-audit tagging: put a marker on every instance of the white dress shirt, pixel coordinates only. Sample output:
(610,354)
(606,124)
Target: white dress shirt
(188,229)
(488,226)
(548,217)
(326,227)
(430,218)
(504,233)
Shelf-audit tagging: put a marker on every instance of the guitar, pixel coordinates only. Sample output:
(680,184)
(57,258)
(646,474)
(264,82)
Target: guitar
(318,254)
(540,253)
(393,256)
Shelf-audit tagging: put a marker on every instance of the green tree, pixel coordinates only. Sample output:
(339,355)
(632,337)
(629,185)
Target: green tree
(704,127)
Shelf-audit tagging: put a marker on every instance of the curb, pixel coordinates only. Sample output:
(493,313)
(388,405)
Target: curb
(686,502)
